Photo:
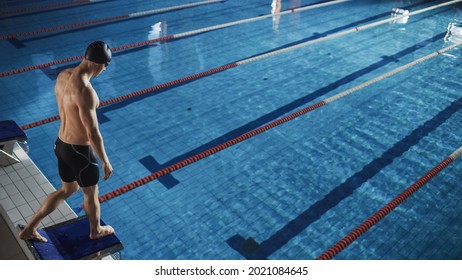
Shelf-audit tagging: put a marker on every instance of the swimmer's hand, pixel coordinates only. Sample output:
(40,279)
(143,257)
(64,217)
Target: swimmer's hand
(107,168)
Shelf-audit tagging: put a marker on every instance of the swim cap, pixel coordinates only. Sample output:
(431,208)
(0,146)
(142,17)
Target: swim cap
(99,52)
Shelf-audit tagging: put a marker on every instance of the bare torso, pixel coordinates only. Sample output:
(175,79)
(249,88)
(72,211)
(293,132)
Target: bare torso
(71,87)
(77,103)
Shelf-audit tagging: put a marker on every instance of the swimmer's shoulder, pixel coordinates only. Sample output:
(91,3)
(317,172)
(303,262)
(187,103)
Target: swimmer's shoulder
(62,80)
(65,74)
(72,80)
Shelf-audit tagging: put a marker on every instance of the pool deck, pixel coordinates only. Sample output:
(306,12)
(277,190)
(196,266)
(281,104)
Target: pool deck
(23,187)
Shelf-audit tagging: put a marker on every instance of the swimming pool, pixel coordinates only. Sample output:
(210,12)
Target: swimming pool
(292,191)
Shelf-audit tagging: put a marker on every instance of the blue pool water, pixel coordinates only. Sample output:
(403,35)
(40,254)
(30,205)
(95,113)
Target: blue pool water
(294,190)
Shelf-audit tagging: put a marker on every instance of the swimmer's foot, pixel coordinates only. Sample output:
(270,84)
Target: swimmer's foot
(102,232)
(27,234)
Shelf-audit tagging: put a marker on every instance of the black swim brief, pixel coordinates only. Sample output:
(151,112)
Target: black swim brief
(77,163)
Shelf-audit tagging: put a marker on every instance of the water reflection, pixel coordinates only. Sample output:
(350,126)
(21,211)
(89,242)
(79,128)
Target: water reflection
(453,36)
(454,33)
(156,53)
(401,15)
(275,10)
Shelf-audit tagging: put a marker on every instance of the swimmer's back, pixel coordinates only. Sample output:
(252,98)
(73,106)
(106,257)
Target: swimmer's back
(70,91)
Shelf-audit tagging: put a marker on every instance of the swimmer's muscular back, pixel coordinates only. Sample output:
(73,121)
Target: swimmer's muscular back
(77,102)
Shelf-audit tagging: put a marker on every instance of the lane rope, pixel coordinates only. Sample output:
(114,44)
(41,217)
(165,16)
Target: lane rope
(293,10)
(139,93)
(168,38)
(115,18)
(342,33)
(379,215)
(46,7)
(262,129)
(216,70)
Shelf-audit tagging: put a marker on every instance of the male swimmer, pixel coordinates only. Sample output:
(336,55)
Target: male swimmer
(78,140)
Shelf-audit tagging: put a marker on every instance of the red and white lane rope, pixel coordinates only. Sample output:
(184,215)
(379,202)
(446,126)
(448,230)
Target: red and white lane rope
(189,33)
(339,34)
(379,215)
(46,7)
(170,37)
(232,65)
(262,129)
(115,18)
(140,92)
(293,10)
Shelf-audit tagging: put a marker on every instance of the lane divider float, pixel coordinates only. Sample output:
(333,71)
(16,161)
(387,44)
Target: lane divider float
(352,30)
(212,71)
(168,38)
(262,129)
(114,18)
(139,93)
(379,215)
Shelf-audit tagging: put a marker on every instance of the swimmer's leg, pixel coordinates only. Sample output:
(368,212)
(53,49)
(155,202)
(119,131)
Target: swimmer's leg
(92,208)
(49,205)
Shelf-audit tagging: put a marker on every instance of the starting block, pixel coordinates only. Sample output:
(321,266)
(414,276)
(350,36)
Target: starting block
(10,133)
(70,241)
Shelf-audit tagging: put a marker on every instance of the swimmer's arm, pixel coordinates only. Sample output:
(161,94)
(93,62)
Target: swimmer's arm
(87,112)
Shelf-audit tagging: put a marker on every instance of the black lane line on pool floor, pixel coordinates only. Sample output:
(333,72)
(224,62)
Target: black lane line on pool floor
(282,110)
(52,72)
(286,108)
(152,165)
(251,249)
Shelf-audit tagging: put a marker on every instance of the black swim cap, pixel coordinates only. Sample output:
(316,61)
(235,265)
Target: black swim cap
(99,52)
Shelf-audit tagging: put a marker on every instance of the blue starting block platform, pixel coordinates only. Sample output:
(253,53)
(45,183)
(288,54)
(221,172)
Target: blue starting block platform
(10,133)
(70,241)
